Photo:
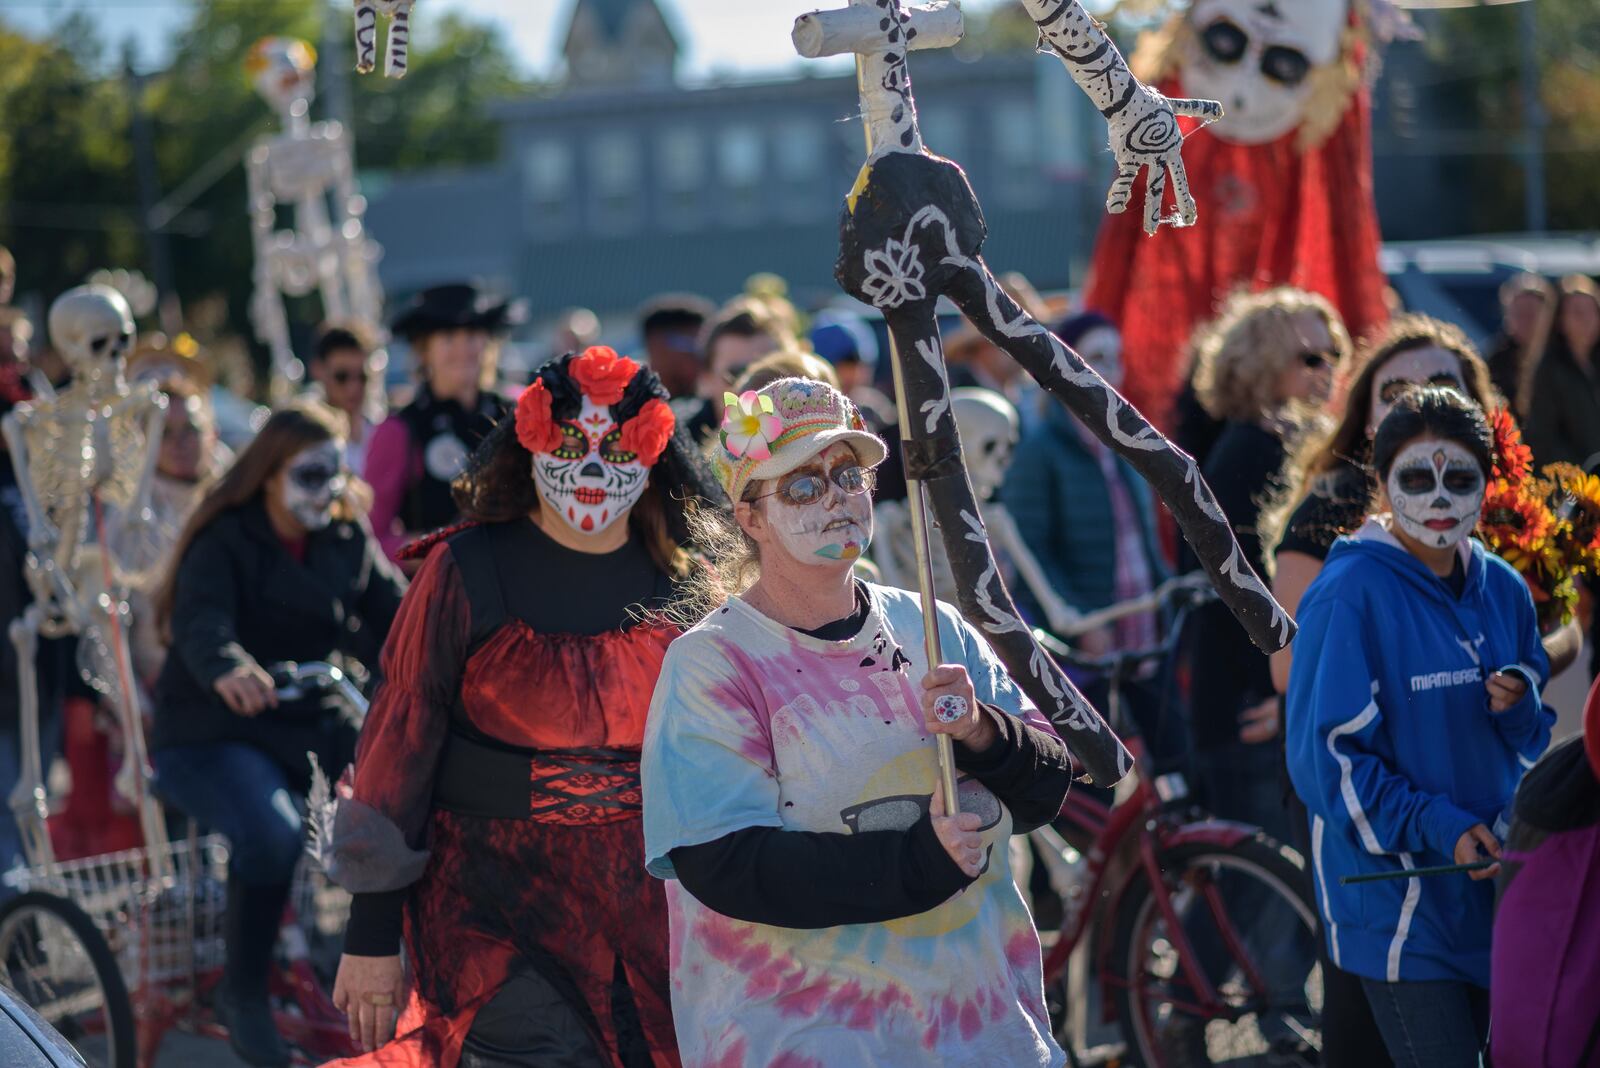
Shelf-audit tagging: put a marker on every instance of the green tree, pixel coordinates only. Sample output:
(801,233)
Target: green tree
(66,160)
(1480,46)
(66,183)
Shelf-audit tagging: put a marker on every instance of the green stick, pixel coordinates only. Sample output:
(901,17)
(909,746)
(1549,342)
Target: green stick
(1406,873)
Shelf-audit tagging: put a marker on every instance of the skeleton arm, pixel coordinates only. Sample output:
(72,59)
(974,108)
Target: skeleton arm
(1143,123)
(1061,616)
(40,533)
(154,407)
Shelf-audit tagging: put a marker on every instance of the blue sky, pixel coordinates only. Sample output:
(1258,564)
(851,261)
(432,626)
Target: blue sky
(720,36)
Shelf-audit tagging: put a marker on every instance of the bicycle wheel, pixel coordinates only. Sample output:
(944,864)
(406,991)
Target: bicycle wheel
(1247,915)
(58,962)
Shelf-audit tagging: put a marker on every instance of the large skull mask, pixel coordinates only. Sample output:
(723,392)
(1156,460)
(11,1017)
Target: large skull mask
(988,426)
(284,72)
(1257,57)
(587,478)
(92,328)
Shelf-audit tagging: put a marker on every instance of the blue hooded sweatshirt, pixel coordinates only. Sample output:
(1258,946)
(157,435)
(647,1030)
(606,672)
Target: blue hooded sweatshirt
(1393,748)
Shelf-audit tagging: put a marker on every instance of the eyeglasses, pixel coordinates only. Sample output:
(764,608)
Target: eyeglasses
(811,488)
(1316,361)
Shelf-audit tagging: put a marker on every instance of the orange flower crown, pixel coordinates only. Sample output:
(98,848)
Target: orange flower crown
(605,378)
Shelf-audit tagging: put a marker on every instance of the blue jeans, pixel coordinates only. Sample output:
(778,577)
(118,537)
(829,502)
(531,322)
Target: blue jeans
(1435,1024)
(242,793)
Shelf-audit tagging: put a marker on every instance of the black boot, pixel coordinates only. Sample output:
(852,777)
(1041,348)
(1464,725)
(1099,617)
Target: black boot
(250,928)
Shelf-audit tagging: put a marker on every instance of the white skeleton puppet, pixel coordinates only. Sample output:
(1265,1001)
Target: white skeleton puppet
(85,460)
(399,12)
(912,230)
(308,169)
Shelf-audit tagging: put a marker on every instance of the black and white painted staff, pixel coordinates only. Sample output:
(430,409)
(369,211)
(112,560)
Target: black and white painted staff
(911,231)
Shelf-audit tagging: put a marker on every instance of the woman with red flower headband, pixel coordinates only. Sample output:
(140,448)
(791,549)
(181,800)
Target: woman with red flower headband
(493,813)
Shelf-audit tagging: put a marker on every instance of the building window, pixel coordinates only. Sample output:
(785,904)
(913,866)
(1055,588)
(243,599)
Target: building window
(800,158)
(547,179)
(614,180)
(1016,142)
(740,170)
(681,170)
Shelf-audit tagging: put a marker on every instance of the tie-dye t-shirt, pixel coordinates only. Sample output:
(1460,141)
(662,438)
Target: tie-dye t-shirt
(757,725)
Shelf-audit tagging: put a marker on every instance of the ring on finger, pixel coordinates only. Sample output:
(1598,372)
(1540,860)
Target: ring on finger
(380,999)
(949,707)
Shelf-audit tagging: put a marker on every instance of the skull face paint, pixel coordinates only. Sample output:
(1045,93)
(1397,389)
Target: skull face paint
(837,527)
(1436,491)
(312,481)
(1426,366)
(587,479)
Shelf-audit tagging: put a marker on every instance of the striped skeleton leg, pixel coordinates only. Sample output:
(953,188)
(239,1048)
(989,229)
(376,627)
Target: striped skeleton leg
(399,38)
(366,36)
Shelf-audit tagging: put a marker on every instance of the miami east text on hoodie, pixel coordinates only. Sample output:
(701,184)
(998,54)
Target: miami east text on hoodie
(1393,748)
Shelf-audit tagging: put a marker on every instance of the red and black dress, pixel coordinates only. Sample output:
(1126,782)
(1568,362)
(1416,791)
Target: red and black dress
(494,812)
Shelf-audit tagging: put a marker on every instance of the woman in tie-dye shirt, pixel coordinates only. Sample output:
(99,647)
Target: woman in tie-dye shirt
(824,909)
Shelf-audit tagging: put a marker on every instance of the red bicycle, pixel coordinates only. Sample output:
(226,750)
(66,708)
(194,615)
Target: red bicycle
(116,950)
(1199,934)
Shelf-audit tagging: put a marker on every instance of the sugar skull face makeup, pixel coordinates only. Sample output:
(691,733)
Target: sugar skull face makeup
(1436,490)
(313,480)
(588,479)
(822,518)
(1426,366)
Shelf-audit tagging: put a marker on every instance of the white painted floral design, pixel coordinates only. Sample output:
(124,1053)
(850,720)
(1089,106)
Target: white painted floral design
(894,275)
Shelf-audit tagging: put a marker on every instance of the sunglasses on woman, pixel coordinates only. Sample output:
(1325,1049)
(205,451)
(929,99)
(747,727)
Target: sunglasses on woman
(811,488)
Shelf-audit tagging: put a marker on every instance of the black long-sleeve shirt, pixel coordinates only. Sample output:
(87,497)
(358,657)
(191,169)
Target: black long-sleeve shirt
(812,879)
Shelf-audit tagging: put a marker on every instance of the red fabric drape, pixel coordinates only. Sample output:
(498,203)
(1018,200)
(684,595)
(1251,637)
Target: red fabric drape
(1269,215)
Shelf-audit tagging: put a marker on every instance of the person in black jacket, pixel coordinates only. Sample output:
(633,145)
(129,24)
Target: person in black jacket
(1268,356)
(275,565)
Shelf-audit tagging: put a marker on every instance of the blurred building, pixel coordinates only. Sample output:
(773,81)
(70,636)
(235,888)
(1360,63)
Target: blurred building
(625,183)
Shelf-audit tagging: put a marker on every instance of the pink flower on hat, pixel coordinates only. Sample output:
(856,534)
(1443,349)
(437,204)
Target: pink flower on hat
(749,424)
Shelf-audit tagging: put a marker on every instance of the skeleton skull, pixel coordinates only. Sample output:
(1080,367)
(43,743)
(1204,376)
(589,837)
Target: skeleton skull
(284,70)
(92,328)
(588,480)
(988,425)
(1257,57)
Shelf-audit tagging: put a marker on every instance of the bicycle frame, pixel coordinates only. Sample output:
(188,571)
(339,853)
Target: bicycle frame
(1127,839)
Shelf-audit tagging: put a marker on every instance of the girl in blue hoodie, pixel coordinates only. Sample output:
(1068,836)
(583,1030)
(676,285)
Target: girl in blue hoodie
(1413,711)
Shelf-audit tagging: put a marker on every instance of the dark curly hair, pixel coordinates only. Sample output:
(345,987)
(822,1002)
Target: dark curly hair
(1432,411)
(498,485)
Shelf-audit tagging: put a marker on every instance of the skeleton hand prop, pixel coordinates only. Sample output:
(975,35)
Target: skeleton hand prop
(1143,122)
(399,12)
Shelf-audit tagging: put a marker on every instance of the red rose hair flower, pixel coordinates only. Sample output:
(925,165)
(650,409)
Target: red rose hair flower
(646,434)
(536,429)
(602,374)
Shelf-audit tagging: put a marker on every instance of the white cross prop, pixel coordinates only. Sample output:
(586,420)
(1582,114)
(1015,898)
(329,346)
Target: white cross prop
(867,29)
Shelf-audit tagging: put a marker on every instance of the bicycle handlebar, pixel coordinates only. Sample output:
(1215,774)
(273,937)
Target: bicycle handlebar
(1181,595)
(293,681)
(1160,597)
